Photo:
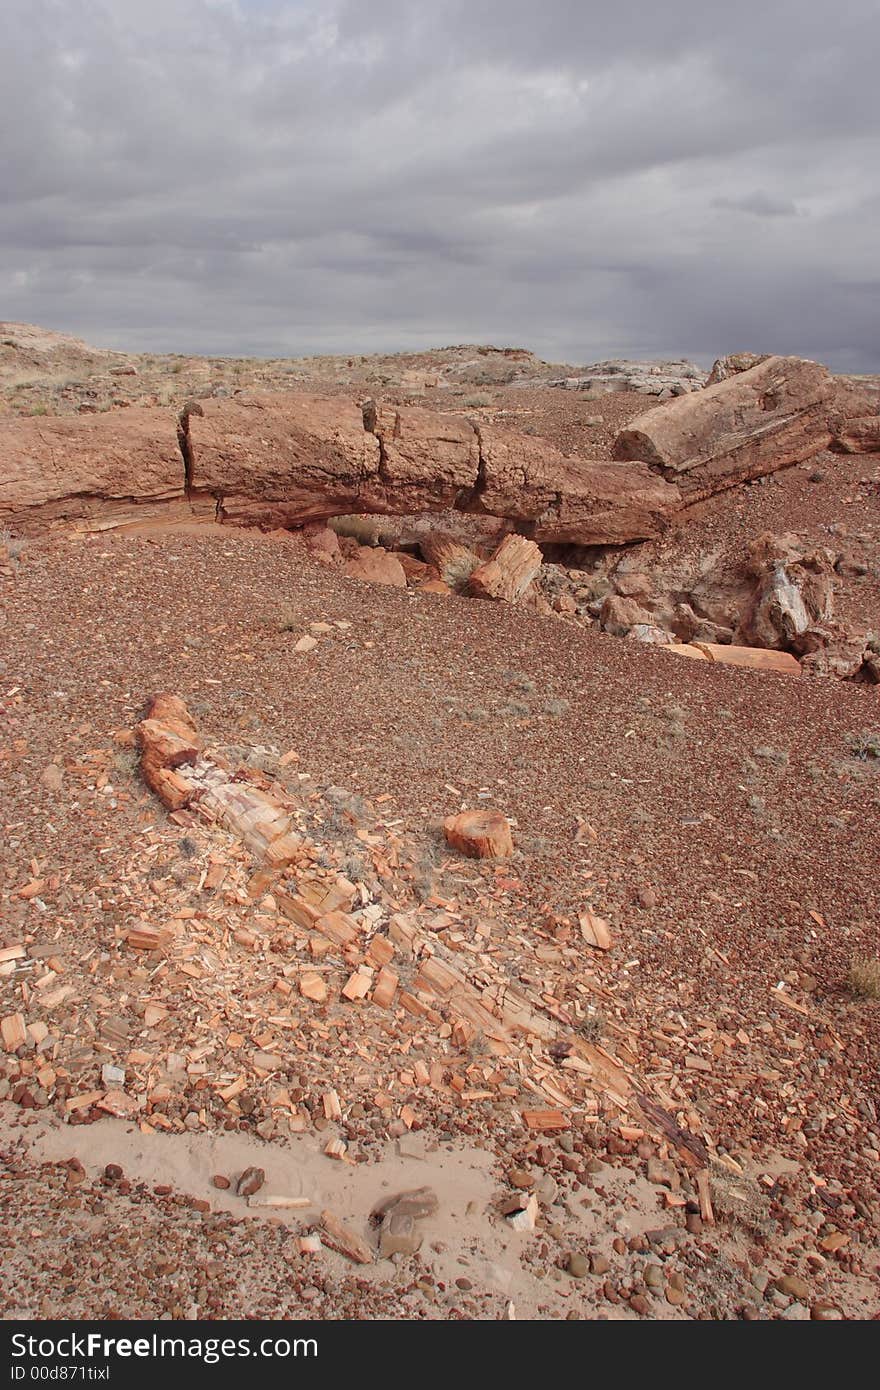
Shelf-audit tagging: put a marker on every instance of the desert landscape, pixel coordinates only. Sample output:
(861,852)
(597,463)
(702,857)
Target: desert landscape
(440,824)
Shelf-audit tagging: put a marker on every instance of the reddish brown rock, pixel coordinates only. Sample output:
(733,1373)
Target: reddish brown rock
(859,436)
(250,1182)
(416,571)
(321,540)
(619,615)
(168,739)
(479,834)
(377,567)
(509,571)
(750,424)
(71,467)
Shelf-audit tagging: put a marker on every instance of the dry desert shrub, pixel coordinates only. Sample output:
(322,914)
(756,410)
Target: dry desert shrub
(866,744)
(366,530)
(864,977)
(11,547)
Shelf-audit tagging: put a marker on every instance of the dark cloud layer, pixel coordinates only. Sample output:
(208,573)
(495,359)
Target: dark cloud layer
(586,179)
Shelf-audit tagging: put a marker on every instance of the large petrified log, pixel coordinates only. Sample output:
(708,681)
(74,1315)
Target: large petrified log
(284,460)
(281,460)
(287,460)
(569,500)
(747,425)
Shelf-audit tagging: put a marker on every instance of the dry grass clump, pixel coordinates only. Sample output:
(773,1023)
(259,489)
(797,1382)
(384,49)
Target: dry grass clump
(11,547)
(864,977)
(866,744)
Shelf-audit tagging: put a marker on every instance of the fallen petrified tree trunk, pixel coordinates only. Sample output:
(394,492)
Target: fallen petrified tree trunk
(747,425)
(168,739)
(286,460)
(755,658)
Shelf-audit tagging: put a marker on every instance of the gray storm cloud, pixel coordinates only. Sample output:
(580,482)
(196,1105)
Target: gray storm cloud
(236,176)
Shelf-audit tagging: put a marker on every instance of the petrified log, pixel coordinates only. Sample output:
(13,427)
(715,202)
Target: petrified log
(168,739)
(750,424)
(479,834)
(71,467)
(567,500)
(281,460)
(755,658)
(285,460)
(509,571)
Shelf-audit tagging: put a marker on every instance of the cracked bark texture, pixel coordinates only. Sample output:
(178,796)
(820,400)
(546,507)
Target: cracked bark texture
(755,422)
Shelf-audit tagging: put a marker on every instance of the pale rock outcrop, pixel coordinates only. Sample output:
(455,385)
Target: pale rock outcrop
(734,363)
(649,378)
(792,595)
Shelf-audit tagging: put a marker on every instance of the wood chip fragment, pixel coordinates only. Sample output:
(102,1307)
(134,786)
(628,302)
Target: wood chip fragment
(343,1239)
(595,931)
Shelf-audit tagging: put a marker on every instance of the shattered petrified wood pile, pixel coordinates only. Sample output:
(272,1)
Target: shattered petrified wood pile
(357,952)
(289,991)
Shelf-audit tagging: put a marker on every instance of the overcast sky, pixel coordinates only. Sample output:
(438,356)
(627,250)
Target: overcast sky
(590,180)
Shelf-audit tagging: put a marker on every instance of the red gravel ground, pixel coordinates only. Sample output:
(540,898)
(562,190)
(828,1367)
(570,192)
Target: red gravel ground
(733,847)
